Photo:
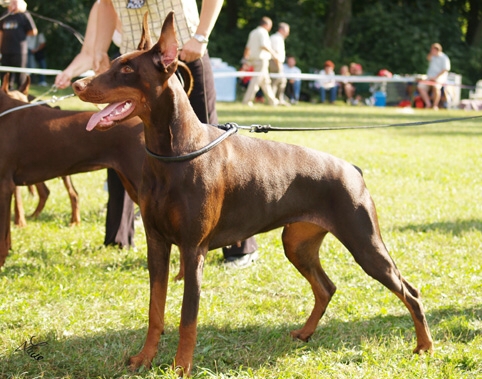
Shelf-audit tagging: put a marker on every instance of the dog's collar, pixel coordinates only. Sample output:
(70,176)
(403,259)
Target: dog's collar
(229,128)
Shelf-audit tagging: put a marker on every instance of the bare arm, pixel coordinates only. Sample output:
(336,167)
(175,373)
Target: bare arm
(194,49)
(106,25)
(84,60)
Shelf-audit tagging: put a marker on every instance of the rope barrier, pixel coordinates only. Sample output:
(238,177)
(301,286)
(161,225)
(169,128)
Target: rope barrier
(242,74)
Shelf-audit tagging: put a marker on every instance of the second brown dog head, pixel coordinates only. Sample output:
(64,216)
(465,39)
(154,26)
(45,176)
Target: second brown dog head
(131,84)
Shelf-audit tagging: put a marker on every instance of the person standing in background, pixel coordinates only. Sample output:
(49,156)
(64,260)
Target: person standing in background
(258,53)
(36,55)
(15,25)
(276,66)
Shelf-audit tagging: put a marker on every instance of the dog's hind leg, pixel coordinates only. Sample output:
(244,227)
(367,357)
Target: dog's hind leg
(74,200)
(301,242)
(43,194)
(359,232)
(6,192)
(19,212)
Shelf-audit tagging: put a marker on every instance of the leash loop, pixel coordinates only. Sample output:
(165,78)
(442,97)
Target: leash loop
(229,128)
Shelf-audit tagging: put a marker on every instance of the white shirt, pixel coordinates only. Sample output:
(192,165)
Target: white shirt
(278,45)
(291,70)
(439,63)
(327,82)
(259,38)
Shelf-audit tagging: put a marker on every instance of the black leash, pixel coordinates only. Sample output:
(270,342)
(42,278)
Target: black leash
(231,128)
(256,128)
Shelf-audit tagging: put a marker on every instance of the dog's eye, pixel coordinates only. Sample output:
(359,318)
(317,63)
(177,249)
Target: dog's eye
(126,69)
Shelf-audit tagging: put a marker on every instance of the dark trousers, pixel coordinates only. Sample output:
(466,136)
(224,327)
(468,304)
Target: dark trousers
(15,60)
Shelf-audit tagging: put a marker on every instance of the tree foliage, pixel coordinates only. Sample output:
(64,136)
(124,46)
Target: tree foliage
(393,34)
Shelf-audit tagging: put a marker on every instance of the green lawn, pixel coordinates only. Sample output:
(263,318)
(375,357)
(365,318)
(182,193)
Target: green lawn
(89,303)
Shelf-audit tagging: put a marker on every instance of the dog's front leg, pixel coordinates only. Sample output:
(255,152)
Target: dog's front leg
(158,253)
(193,268)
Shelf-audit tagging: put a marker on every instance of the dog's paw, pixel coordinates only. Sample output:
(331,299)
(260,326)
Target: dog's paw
(300,335)
(179,276)
(426,347)
(138,362)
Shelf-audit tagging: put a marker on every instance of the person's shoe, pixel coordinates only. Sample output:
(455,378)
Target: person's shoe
(241,261)
(43,84)
(249,103)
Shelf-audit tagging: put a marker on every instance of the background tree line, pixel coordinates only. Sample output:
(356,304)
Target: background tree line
(393,34)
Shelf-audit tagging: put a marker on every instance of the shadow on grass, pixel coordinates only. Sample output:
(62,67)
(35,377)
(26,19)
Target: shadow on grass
(456,227)
(222,349)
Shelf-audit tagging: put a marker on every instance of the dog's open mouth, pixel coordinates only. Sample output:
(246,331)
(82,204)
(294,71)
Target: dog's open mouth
(110,114)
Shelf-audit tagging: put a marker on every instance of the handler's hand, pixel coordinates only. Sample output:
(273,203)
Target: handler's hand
(192,50)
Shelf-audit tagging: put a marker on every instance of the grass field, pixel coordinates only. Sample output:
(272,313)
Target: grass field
(89,303)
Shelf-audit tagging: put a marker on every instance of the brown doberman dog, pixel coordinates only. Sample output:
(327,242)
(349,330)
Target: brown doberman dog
(205,201)
(41,143)
(42,189)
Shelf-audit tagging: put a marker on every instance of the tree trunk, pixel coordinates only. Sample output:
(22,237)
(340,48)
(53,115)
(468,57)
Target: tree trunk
(337,20)
(474,24)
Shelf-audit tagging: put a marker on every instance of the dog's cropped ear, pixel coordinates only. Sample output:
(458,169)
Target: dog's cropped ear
(166,48)
(146,42)
(25,86)
(5,80)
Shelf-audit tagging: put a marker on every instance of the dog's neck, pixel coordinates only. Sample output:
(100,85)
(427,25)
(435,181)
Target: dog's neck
(173,129)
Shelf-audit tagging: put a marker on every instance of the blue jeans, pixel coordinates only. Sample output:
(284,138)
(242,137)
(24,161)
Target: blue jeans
(293,90)
(332,91)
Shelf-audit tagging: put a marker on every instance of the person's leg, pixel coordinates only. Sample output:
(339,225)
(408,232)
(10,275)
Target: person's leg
(322,94)
(13,60)
(281,90)
(289,91)
(297,89)
(203,95)
(32,63)
(333,92)
(437,93)
(265,84)
(23,75)
(253,85)
(42,63)
(119,226)
(423,91)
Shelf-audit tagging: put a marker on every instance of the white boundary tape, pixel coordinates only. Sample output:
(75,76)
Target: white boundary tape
(38,71)
(242,74)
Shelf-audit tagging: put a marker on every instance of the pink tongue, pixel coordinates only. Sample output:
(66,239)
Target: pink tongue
(97,117)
